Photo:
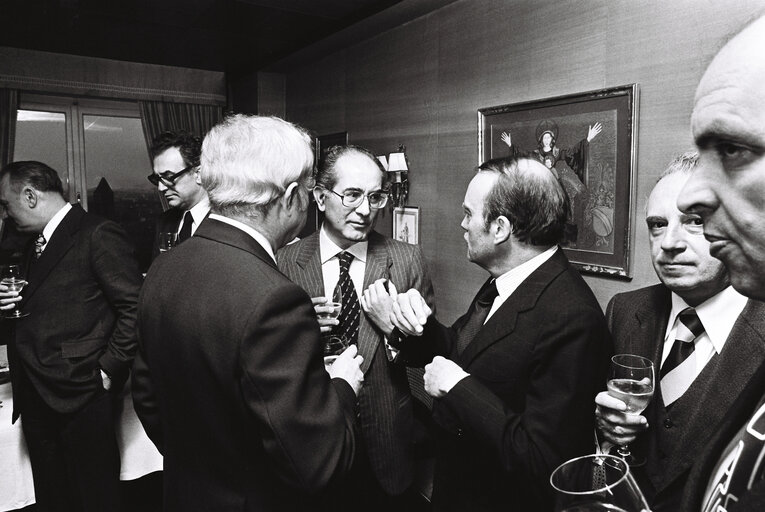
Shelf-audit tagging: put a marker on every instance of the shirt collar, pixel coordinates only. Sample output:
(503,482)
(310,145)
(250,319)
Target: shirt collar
(717,314)
(199,210)
(262,240)
(508,282)
(53,223)
(329,249)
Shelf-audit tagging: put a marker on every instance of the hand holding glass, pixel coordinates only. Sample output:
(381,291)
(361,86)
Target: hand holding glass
(167,241)
(333,345)
(13,282)
(631,380)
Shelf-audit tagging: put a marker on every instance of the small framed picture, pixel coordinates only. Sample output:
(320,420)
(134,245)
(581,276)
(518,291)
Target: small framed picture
(406,224)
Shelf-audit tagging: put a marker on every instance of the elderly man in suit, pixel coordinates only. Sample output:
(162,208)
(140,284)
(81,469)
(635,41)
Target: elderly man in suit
(728,192)
(77,343)
(698,331)
(350,191)
(229,381)
(514,378)
(175,158)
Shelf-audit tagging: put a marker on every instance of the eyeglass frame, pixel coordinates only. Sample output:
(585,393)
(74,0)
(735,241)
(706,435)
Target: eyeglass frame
(385,194)
(168,181)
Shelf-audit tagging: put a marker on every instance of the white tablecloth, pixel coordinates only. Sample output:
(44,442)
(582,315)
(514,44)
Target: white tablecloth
(139,456)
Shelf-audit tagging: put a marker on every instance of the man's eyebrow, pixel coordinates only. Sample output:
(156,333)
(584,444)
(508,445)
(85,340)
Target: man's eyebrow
(726,133)
(654,218)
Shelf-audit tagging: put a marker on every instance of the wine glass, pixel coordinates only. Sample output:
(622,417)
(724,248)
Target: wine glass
(14,282)
(631,380)
(167,241)
(596,483)
(333,345)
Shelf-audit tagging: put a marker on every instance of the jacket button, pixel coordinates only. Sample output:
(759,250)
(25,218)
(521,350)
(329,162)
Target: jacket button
(668,423)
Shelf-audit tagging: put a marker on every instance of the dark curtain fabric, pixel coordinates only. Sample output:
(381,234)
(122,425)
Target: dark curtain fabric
(160,116)
(9,102)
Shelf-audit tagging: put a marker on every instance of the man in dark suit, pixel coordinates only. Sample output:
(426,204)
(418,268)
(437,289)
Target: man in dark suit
(175,158)
(77,343)
(351,191)
(728,192)
(229,381)
(720,359)
(514,378)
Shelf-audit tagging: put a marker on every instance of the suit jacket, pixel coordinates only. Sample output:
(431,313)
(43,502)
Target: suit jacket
(167,222)
(81,299)
(535,367)
(638,323)
(385,400)
(229,381)
(751,328)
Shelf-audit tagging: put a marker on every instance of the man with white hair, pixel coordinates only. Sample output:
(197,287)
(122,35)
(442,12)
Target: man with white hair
(230,382)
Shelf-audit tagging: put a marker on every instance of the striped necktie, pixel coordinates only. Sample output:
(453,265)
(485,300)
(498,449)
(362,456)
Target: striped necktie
(39,246)
(679,368)
(350,310)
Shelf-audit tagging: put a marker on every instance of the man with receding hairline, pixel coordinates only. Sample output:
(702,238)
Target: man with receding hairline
(514,378)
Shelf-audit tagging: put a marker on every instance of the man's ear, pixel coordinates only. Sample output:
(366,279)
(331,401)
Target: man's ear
(31,196)
(197,177)
(320,195)
(291,197)
(502,229)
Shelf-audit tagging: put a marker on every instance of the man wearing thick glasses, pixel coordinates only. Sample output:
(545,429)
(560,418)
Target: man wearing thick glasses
(175,158)
(337,264)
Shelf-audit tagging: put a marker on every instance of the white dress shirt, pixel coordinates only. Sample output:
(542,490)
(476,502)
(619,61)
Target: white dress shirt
(53,223)
(717,315)
(198,213)
(508,282)
(330,263)
(262,240)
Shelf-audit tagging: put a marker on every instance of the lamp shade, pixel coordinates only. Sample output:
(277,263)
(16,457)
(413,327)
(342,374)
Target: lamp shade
(383,161)
(397,162)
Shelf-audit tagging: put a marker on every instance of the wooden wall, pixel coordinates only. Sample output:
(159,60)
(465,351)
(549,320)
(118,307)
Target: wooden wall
(421,84)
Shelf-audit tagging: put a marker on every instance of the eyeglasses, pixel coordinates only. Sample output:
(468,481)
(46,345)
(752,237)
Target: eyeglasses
(354,198)
(167,178)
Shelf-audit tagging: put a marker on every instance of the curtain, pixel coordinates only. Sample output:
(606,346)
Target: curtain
(160,116)
(9,103)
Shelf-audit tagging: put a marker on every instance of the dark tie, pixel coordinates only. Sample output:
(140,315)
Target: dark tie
(478,314)
(679,368)
(39,245)
(185,231)
(350,310)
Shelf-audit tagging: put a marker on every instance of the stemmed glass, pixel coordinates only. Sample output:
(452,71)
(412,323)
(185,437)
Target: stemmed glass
(14,282)
(167,241)
(596,483)
(631,380)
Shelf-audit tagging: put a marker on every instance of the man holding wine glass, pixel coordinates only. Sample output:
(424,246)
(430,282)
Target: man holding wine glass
(72,352)
(696,329)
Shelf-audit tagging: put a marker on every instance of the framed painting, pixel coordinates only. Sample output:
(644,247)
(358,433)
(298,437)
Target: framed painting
(589,142)
(406,224)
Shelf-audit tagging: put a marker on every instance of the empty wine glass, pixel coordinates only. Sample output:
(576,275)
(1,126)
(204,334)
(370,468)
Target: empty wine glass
(596,483)
(631,380)
(167,241)
(12,279)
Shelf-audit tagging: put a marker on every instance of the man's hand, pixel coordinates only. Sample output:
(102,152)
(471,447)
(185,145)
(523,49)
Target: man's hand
(377,304)
(441,375)
(106,380)
(322,307)
(507,139)
(347,366)
(8,299)
(593,131)
(617,426)
(410,312)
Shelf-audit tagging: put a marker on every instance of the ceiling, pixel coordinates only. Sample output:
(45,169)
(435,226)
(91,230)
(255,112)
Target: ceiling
(235,36)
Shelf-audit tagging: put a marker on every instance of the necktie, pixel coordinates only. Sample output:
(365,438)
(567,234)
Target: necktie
(679,368)
(350,310)
(478,314)
(39,244)
(185,231)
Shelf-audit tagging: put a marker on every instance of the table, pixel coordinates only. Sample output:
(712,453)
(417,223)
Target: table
(138,454)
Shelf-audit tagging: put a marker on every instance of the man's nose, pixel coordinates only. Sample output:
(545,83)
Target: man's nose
(364,208)
(674,238)
(161,186)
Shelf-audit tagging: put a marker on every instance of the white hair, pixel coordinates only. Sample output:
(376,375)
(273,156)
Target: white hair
(249,161)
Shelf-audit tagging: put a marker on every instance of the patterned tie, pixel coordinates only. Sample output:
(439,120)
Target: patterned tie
(185,231)
(39,244)
(480,311)
(679,368)
(350,310)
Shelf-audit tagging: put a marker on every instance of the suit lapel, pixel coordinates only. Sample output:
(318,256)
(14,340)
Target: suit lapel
(502,322)
(309,260)
(377,267)
(59,244)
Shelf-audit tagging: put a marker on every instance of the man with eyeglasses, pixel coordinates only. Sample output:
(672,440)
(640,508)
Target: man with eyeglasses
(175,158)
(340,261)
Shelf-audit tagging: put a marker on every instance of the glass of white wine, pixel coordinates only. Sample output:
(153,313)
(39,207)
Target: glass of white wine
(12,279)
(631,380)
(333,345)
(596,483)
